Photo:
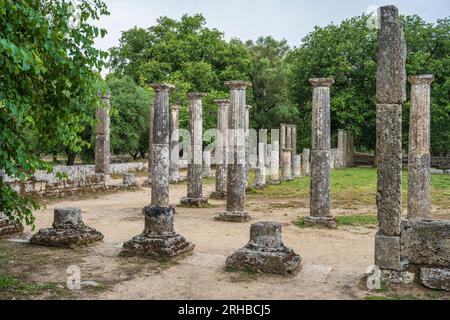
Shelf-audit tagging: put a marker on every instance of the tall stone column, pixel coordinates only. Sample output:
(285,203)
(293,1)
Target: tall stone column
(148,181)
(275,158)
(159,238)
(282,141)
(306,164)
(195,167)
(260,174)
(297,166)
(342,147)
(287,166)
(288,136)
(391,94)
(294,144)
(236,167)
(102,138)
(174,167)
(222,141)
(419,148)
(321,156)
(207,171)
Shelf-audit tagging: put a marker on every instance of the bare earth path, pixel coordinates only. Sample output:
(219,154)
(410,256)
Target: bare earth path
(333,261)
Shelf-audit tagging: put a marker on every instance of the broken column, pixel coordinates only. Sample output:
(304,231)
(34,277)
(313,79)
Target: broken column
(306,165)
(236,175)
(68,231)
(8,227)
(148,181)
(419,148)
(159,238)
(194,196)
(286,165)
(391,94)
(102,138)
(221,150)
(174,167)
(297,166)
(321,156)
(265,251)
(275,158)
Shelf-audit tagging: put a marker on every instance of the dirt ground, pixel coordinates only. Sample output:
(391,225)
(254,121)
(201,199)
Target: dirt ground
(334,261)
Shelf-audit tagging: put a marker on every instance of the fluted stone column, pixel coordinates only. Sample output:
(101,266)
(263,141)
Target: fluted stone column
(148,181)
(222,141)
(306,165)
(294,144)
(174,167)
(236,167)
(275,158)
(288,136)
(342,147)
(297,166)
(102,138)
(268,159)
(320,214)
(282,141)
(195,167)
(391,94)
(287,166)
(419,148)
(159,238)
(260,174)
(207,171)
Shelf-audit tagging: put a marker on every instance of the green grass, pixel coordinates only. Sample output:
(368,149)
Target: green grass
(354,187)
(17,287)
(395,297)
(354,221)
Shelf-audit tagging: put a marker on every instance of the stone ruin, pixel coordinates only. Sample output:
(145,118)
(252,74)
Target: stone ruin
(129,180)
(68,231)
(8,227)
(265,251)
(159,238)
(416,248)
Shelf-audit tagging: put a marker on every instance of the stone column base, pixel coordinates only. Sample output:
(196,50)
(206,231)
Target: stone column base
(324,222)
(68,237)
(8,227)
(194,202)
(167,246)
(236,216)
(218,195)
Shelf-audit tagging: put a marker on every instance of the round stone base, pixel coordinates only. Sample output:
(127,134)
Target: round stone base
(218,195)
(322,222)
(67,238)
(155,247)
(280,261)
(233,217)
(194,202)
(8,227)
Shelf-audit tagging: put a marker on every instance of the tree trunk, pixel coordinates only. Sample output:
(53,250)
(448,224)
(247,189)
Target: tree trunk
(71,157)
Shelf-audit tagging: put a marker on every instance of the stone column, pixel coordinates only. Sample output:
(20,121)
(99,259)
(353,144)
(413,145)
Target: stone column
(236,167)
(391,94)
(297,166)
(288,136)
(294,144)
(195,167)
(102,138)
(174,167)
(306,165)
(159,238)
(148,181)
(321,156)
(222,141)
(287,166)
(207,172)
(275,158)
(419,148)
(342,147)
(282,142)
(260,174)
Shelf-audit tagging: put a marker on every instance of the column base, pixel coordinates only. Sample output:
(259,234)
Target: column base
(279,260)
(154,247)
(194,202)
(8,227)
(321,222)
(235,216)
(218,195)
(67,237)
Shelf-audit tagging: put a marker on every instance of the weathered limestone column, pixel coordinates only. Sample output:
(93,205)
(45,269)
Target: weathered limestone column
(294,144)
(268,159)
(419,148)
(321,156)
(282,141)
(306,165)
(260,174)
(275,158)
(102,138)
(159,238)
(236,175)
(222,141)
(148,181)
(288,136)
(195,167)
(207,171)
(287,166)
(174,167)
(342,147)
(391,94)
(297,166)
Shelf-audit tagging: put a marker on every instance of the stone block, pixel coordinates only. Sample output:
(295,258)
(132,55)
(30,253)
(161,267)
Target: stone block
(435,278)
(387,252)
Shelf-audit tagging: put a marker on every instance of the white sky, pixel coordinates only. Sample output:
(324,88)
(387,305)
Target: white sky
(249,19)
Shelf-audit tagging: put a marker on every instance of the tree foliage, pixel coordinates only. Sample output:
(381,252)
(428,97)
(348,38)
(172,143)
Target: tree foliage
(48,84)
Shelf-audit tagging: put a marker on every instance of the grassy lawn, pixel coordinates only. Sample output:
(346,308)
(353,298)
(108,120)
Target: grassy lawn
(355,187)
